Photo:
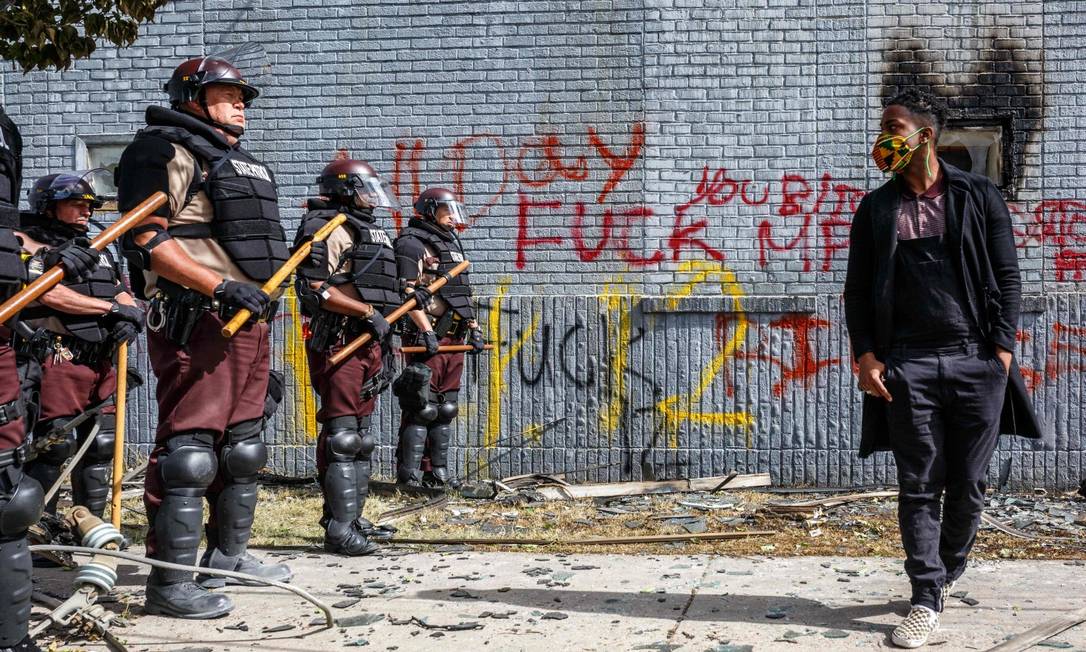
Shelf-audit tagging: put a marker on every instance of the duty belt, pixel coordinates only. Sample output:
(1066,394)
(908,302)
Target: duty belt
(73,349)
(450,324)
(63,348)
(17,455)
(11,411)
(176,310)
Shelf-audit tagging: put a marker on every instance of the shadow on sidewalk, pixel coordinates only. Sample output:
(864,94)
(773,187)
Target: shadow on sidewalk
(710,607)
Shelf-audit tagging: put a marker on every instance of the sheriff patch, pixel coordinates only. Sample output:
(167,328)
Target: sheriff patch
(250,170)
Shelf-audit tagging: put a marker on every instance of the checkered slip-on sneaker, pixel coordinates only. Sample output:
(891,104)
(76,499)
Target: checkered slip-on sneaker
(947,588)
(916,628)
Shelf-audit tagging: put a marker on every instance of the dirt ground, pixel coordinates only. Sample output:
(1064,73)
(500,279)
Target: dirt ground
(866,529)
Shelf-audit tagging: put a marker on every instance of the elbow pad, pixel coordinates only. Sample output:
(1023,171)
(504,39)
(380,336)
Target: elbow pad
(138,255)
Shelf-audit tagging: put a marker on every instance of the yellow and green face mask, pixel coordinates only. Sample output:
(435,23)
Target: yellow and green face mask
(892,153)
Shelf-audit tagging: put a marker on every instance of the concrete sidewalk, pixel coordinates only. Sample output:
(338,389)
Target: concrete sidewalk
(525,601)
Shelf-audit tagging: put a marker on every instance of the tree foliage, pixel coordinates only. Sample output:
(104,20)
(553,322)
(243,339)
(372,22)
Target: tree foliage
(39,34)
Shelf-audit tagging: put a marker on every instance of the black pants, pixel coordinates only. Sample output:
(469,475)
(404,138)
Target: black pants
(944,424)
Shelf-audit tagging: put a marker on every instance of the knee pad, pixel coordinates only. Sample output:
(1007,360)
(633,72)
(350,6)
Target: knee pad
(343,444)
(245,452)
(422,416)
(102,448)
(188,465)
(58,453)
(447,411)
(368,443)
(21,508)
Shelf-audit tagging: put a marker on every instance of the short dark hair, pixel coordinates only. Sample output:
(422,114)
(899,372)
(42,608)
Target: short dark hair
(930,108)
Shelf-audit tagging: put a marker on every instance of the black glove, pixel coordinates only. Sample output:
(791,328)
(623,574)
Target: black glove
(76,258)
(316,265)
(242,295)
(429,340)
(377,325)
(121,313)
(475,339)
(124,331)
(422,297)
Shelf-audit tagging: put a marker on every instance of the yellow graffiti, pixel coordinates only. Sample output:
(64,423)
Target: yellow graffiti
(617,298)
(496,380)
(679,408)
(305,410)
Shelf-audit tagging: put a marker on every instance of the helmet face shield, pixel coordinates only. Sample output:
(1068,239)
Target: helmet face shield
(375,193)
(454,209)
(85,185)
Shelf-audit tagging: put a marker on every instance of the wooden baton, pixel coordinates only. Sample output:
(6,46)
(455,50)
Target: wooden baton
(284,272)
(448,348)
(55,274)
(396,314)
(119,400)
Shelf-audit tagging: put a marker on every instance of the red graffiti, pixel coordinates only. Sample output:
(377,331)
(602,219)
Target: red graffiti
(1060,224)
(1066,354)
(831,212)
(619,164)
(615,232)
(800,367)
(397,172)
(535,163)
(1066,351)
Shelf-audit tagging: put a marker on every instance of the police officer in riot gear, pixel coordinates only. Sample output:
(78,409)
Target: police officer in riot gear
(73,332)
(426,249)
(21,496)
(200,258)
(348,284)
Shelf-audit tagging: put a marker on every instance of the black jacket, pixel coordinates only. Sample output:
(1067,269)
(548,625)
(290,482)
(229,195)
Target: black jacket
(979,227)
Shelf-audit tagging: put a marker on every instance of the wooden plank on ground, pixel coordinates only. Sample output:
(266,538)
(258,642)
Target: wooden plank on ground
(614,489)
(1042,632)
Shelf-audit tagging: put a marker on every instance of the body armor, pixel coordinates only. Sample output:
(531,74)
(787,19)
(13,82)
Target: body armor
(242,191)
(372,259)
(103,284)
(12,271)
(457,292)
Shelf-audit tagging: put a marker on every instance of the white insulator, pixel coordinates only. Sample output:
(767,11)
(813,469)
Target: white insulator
(97,574)
(103,534)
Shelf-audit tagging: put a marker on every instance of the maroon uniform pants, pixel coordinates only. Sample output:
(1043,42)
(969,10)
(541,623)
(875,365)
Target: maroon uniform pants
(12,432)
(208,385)
(447,368)
(340,388)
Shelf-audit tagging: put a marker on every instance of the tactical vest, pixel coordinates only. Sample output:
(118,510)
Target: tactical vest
(103,284)
(372,260)
(457,292)
(244,198)
(12,271)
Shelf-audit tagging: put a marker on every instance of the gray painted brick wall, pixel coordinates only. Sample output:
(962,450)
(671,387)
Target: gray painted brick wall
(661,194)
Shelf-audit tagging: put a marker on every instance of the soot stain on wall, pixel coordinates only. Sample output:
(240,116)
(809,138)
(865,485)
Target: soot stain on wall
(995,78)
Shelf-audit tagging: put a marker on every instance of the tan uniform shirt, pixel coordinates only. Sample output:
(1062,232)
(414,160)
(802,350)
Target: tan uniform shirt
(437,305)
(339,243)
(205,251)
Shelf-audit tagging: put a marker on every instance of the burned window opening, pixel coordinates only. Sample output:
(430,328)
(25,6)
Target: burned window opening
(984,146)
